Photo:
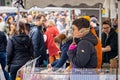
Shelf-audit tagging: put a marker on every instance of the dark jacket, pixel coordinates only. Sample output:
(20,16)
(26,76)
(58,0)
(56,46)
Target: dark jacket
(111,40)
(38,42)
(3,42)
(64,48)
(19,50)
(84,55)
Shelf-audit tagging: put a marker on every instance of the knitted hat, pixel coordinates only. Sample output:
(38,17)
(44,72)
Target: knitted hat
(86,17)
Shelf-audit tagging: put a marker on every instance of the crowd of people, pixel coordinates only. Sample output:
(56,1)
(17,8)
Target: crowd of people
(50,37)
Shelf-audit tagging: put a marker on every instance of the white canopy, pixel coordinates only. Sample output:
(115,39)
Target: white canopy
(47,9)
(5,9)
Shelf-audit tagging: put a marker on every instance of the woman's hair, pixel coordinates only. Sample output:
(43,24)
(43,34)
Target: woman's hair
(81,23)
(21,29)
(106,22)
(9,28)
(50,23)
(7,21)
(27,26)
(59,38)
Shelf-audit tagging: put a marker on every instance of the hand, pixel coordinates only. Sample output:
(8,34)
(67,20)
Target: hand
(72,46)
(7,68)
(49,66)
(73,43)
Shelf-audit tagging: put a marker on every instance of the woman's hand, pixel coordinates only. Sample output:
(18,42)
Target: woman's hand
(72,46)
(49,66)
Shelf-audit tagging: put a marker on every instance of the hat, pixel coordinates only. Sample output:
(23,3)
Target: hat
(94,20)
(86,17)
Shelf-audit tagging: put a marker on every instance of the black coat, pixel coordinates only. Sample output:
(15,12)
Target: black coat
(38,42)
(84,56)
(19,50)
(111,40)
(3,41)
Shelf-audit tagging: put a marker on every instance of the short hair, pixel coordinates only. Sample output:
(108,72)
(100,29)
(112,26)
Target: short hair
(107,22)
(39,16)
(81,23)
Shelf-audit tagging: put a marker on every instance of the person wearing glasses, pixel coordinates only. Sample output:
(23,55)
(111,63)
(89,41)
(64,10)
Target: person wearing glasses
(109,42)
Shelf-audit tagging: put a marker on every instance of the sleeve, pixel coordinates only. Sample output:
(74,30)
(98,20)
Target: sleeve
(31,49)
(39,45)
(63,57)
(5,40)
(56,32)
(9,51)
(114,42)
(36,41)
(81,56)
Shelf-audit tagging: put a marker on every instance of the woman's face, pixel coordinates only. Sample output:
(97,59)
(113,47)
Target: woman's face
(12,27)
(11,19)
(75,31)
(106,28)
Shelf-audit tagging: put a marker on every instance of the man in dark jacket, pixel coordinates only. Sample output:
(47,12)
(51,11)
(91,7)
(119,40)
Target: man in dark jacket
(109,42)
(3,44)
(38,40)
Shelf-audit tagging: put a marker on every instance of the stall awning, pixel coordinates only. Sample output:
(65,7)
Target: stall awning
(60,3)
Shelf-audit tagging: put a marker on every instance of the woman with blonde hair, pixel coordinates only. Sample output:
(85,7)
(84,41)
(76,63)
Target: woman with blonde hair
(51,33)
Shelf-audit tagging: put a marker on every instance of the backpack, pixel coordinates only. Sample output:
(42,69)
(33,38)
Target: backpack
(98,48)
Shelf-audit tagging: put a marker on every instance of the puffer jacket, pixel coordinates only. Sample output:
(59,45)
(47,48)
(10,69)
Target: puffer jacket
(84,55)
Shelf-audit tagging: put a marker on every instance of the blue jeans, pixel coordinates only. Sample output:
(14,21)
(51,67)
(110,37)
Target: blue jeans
(13,71)
(3,64)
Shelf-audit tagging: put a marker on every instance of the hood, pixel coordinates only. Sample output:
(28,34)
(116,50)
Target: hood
(91,37)
(21,39)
